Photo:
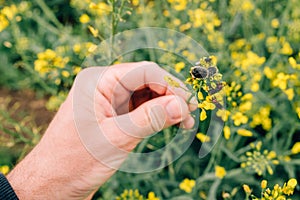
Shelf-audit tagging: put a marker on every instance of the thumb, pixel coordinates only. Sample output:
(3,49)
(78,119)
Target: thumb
(125,131)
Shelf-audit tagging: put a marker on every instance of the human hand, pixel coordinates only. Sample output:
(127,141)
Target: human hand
(109,110)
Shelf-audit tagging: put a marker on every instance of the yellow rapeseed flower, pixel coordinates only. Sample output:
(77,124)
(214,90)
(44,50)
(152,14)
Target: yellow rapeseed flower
(254,87)
(247,189)
(151,196)
(202,137)
(3,22)
(264,184)
(296,148)
(187,185)
(94,31)
(224,114)
(4,169)
(239,118)
(10,11)
(294,63)
(226,132)
(286,49)
(298,111)
(289,93)
(275,23)
(135,2)
(269,73)
(220,172)
(84,18)
(65,73)
(178,4)
(244,132)
(179,66)
(247,5)
(288,188)
(203,115)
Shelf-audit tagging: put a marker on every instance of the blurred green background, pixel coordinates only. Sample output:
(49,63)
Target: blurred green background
(256,42)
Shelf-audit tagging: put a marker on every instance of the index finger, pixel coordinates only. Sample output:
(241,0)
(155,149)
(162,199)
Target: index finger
(138,75)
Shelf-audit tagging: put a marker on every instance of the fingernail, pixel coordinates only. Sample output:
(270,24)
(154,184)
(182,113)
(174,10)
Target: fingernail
(173,109)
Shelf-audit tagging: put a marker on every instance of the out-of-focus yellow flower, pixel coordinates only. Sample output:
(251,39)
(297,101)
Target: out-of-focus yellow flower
(254,87)
(244,132)
(77,48)
(92,48)
(281,81)
(227,132)
(3,22)
(179,66)
(202,137)
(275,23)
(176,22)
(151,196)
(9,11)
(238,119)
(298,111)
(247,5)
(294,63)
(224,114)
(131,194)
(55,101)
(245,106)
(178,4)
(296,148)
(94,31)
(263,184)
(171,82)
(76,70)
(4,169)
(185,27)
(289,93)
(84,18)
(65,73)
(100,9)
(286,49)
(220,172)
(187,185)
(135,2)
(270,74)
(247,189)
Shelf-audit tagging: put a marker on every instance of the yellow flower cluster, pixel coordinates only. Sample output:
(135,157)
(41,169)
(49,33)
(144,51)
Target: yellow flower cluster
(84,49)
(178,5)
(187,185)
(220,172)
(48,62)
(135,195)
(130,194)
(207,83)
(262,117)
(7,13)
(278,192)
(258,160)
(240,6)
(279,45)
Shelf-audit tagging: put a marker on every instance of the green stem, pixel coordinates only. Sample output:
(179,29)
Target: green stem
(48,13)
(167,136)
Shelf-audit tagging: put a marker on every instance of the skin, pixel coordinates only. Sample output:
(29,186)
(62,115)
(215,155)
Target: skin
(61,166)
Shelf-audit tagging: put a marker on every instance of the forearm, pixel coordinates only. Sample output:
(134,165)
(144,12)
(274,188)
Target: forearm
(50,170)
